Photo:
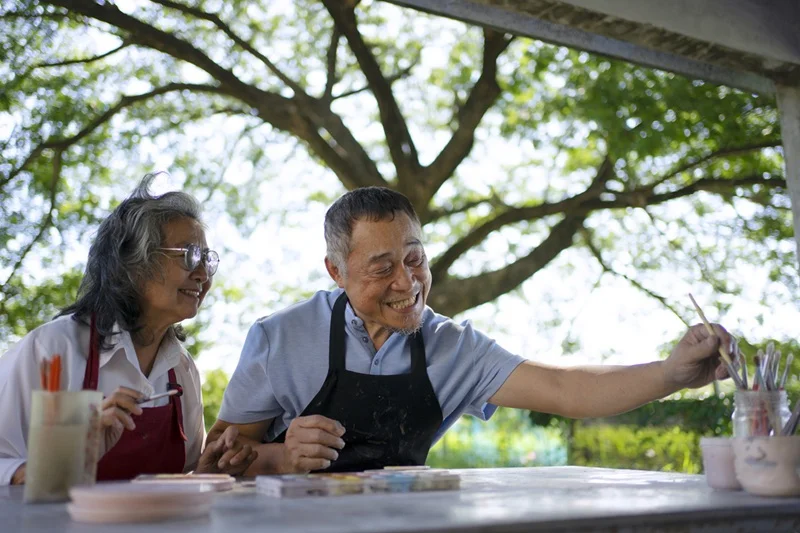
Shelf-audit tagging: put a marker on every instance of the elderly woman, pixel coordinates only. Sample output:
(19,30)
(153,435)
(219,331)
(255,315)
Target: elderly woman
(148,268)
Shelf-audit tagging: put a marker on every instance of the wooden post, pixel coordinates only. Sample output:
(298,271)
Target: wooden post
(789,108)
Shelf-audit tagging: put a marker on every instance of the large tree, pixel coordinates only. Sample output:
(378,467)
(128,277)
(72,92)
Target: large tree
(642,170)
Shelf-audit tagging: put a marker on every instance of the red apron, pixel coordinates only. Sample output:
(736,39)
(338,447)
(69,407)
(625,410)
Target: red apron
(156,446)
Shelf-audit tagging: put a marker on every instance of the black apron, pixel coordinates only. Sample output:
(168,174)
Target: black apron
(388,420)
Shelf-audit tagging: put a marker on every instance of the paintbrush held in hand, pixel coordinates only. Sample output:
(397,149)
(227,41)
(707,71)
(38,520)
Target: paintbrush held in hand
(173,392)
(723,351)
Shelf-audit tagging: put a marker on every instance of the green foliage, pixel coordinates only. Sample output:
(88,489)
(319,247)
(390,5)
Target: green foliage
(710,416)
(507,439)
(214,384)
(785,347)
(83,123)
(644,448)
(706,416)
(24,307)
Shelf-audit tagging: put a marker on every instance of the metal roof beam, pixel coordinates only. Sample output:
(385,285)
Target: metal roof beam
(527,25)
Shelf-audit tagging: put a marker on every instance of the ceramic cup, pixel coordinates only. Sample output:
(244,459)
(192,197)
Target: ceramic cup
(768,466)
(718,463)
(63,443)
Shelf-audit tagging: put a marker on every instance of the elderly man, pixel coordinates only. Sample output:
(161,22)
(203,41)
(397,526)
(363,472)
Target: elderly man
(367,376)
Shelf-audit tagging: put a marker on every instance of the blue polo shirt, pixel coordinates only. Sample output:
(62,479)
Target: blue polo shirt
(284,362)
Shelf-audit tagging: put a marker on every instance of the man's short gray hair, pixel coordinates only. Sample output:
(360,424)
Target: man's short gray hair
(366,203)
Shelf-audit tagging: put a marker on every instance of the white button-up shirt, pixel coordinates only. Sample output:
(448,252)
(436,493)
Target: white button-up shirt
(119,367)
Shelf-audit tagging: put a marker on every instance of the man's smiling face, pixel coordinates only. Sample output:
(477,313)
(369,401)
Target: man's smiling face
(387,279)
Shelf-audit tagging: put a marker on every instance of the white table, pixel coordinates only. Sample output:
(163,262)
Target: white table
(490,501)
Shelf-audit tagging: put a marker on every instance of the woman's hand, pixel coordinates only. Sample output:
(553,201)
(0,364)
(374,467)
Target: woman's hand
(19,476)
(115,416)
(228,454)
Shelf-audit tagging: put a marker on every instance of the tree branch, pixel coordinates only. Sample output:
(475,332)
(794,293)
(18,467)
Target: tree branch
(345,156)
(391,79)
(570,205)
(24,15)
(454,295)
(644,196)
(124,102)
(46,222)
(330,61)
(344,163)
(583,205)
(731,150)
(398,138)
(79,61)
(226,29)
(353,170)
(481,98)
(437,214)
(151,37)
(599,257)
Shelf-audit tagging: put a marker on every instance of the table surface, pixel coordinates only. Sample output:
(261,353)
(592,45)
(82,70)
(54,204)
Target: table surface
(490,501)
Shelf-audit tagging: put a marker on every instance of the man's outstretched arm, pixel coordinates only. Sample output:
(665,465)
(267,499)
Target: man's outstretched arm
(598,391)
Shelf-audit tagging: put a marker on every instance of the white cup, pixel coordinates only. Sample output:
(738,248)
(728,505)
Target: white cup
(718,463)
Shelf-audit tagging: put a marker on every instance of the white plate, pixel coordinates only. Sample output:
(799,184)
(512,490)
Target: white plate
(140,496)
(107,515)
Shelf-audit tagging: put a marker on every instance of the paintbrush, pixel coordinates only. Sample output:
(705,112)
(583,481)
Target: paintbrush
(791,424)
(740,357)
(789,359)
(172,392)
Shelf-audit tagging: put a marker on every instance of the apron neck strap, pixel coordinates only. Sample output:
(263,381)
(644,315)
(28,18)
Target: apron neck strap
(418,354)
(92,372)
(336,345)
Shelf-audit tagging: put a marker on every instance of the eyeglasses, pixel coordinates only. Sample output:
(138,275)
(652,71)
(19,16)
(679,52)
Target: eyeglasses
(193,255)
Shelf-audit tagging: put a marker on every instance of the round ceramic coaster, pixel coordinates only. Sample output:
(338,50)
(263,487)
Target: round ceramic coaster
(141,495)
(220,482)
(120,513)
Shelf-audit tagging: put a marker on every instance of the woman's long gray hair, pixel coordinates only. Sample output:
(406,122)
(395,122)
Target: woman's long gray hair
(122,259)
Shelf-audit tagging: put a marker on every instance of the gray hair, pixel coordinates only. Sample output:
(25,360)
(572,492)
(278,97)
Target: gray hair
(123,257)
(370,203)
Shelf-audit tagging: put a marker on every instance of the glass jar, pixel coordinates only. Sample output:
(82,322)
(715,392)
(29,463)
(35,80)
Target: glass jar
(756,412)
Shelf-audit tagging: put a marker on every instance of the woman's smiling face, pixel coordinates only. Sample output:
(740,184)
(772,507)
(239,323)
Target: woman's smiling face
(176,295)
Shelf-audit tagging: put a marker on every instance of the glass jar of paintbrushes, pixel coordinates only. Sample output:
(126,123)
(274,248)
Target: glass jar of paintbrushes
(762,410)
(63,437)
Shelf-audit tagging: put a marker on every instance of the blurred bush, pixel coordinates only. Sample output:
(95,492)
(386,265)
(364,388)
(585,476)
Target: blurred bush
(666,449)
(662,435)
(214,383)
(507,439)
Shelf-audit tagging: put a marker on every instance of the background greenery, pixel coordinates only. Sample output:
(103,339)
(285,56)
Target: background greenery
(525,160)
(662,435)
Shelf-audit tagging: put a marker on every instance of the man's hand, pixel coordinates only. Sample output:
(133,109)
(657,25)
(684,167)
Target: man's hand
(19,476)
(227,454)
(115,416)
(695,360)
(312,442)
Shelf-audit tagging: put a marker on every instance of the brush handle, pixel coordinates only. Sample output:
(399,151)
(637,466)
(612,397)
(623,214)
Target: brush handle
(172,392)
(791,425)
